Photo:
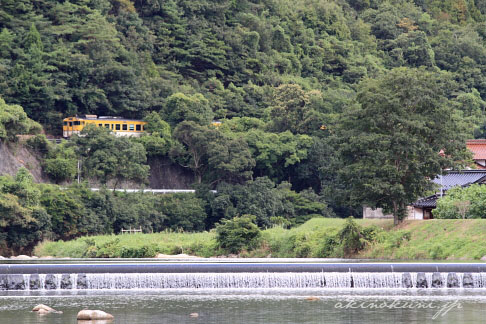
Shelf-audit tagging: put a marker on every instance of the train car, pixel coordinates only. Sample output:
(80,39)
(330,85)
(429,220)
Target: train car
(118,125)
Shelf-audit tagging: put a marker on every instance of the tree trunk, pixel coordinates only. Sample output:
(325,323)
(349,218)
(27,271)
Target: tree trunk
(395,214)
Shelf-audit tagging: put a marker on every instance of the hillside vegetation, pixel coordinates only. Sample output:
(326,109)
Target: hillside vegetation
(289,109)
(413,240)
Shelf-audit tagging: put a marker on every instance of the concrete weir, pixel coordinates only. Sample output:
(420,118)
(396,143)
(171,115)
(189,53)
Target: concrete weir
(240,275)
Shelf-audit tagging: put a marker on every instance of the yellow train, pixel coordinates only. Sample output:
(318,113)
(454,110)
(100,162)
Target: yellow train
(118,125)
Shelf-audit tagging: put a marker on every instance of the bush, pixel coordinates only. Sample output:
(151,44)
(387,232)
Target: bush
(40,144)
(60,169)
(351,238)
(234,235)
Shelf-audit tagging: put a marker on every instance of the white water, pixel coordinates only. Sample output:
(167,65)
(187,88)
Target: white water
(249,280)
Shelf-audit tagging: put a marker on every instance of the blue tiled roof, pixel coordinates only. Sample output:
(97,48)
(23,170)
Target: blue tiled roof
(427,202)
(459,178)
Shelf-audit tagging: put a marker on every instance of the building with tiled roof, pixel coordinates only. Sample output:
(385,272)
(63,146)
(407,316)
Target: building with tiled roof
(478,148)
(422,208)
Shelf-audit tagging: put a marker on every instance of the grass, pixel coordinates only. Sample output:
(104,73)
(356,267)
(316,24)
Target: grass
(412,240)
(201,244)
(439,239)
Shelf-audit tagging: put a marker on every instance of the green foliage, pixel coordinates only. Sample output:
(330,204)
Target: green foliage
(14,121)
(180,107)
(107,157)
(389,141)
(351,238)
(237,234)
(158,139)
(462,203)
(353,99)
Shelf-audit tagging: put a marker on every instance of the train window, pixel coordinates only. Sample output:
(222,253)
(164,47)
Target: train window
(77,123)
(138,128)
(132,127)
(82,123)
(124,127)
(100,125)
(112,126)
(143,128)
(117,127)
(107,126)
(70,124)
(65,123)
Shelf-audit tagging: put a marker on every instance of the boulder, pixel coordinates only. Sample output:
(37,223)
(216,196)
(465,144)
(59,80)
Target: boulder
(452,280)
(15,282)
(467,281)
(81,282)
(87,314)
(42,312)
(34,282)
(66,282)
(194,315)
(421,280)
(43,308)
(407,280)
(3,282)
(20,257)
(436,280)
(50,282)
(311,298)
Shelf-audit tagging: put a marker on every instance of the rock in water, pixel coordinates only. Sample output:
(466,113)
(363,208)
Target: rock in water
(15,282)
(50,282)
(421,280)
(87,314)
(81,282)
(194,315)
(467,281)
(42,307)
(436,280)
(407,280)
(42,312)
(34,282)
(452,280)
(3,282)
(66,282)
(311,298)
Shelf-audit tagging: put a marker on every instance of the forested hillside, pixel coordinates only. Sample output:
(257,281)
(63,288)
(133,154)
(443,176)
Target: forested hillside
(321,99)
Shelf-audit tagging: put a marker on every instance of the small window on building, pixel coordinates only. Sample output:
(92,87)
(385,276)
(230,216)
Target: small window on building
(138,128)
(117,127)
(132,127)
(125,127)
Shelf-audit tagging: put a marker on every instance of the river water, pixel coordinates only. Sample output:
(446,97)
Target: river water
(318,305)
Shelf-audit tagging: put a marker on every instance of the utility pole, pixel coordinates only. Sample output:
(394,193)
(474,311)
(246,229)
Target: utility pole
(79,172)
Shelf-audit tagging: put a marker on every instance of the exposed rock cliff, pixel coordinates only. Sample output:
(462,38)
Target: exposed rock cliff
(14,156)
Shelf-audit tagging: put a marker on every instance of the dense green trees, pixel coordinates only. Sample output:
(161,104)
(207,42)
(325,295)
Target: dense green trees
(109,158)
(261,100)
(14,121)
(401,134)
(462,203)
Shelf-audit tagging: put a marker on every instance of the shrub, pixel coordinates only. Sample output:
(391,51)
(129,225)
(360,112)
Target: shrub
(351,238)
(239,233)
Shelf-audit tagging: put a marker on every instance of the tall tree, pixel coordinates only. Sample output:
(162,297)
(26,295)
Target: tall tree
(107,157)
(400,133)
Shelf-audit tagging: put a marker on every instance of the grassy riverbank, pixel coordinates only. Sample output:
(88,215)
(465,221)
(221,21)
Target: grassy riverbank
(412,240)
